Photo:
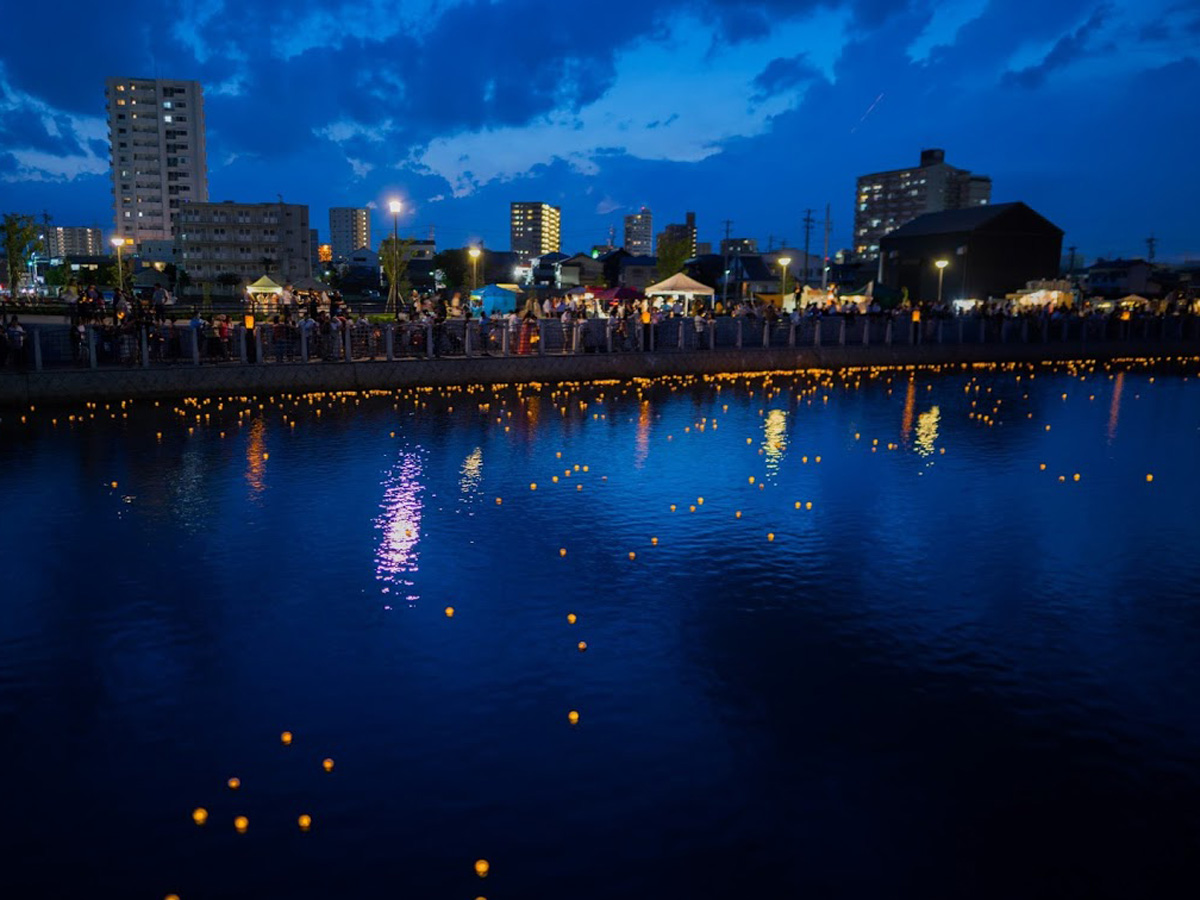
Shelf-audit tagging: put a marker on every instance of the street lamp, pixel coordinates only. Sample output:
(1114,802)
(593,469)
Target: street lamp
(393,286)
(784,262)
(474,254)
(941,267)
(118,242)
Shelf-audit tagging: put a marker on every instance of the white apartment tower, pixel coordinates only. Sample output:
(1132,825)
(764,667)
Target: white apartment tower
(157,153)
(639,233)
(349,230)
(72,240)
(534,229)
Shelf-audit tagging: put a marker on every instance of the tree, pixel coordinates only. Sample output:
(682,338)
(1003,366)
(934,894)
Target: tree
(393,257)
(672,254)
(455,266)
(20,239)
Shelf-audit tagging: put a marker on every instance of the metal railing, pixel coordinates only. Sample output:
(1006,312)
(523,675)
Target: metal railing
(50,347)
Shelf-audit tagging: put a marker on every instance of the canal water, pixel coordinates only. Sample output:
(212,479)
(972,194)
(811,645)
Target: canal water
(880,634)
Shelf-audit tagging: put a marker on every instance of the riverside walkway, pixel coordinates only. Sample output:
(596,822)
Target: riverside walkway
(62,363)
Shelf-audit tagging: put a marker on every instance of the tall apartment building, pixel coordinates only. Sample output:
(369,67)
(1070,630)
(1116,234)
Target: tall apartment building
(639,233)
(886,200)
(685,233)
(157,153)
(349,229)
(535,229)
(72,240)
(244,239)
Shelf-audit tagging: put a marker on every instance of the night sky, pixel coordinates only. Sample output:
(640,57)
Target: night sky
(750,111)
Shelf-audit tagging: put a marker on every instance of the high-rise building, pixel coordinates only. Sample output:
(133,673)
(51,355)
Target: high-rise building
(535,229)
(157,153)
(72,240)
(639,233)
(244,239)
(349,229)
(886,200)
(685,233)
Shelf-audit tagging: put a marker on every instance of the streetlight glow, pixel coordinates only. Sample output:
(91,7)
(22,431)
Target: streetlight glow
(942,263)
(118,242)
(941,267)
(474,254)
(394,207)
(784,262)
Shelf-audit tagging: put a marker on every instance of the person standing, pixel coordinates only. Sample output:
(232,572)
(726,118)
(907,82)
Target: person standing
(15,334)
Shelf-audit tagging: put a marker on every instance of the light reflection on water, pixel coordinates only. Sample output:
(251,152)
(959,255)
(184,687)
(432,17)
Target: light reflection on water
(400,527)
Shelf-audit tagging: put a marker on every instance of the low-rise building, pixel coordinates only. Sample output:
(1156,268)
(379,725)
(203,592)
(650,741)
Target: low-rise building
(244,239)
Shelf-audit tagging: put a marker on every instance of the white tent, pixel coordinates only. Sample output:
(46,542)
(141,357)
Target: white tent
(680,285)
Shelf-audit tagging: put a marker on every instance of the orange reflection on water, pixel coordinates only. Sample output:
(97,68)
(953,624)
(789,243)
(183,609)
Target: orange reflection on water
(255,448)
(1114,411)
(642,442)
(400,523)
(910,402)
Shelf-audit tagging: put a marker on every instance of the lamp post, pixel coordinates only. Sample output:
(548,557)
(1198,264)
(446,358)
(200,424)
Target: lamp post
(119,243)
(941,267)
(784,262)
(474,254)
(393,286)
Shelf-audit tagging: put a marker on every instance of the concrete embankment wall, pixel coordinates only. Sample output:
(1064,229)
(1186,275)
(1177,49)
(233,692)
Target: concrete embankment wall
(186,380)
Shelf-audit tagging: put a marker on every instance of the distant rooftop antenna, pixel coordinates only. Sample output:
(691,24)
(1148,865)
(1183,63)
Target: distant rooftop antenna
(1151,243)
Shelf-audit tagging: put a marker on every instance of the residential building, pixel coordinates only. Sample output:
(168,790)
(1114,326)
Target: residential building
(349,230)
(535,229)
(314,248)
(989,251)
(545,269)
(703,248)
(638,271)
(685,233)
(244,239)
(580,270)
(639,233)
(71,240)
(750,274)
(1121,277)
(886,200)
(157,153)
(736,246)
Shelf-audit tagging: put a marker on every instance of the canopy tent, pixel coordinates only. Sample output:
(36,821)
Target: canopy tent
(1134,300)
(310,286)
(680,286)
(264,285)
(613,295)
(494,298)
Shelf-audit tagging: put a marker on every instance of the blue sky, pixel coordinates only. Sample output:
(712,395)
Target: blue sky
(736,109)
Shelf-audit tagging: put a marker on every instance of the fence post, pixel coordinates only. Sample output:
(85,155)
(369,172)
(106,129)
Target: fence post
(429,340)
(1064,330)
(608,330)
(347,342)
(960,330)
(303,342)
(241,333)
(711,328)
(259,356)
(1004,331)
(766,334)
(866,342)
(467,338)
(739,332)
(541,337)
(504,335)
(91,345)
(579,326)
(1024,331)
(842,332)
(982,330)
(37,349)
(817,331)
(887,332)
(792,334)
(941,329)
(683,334)
(145,347)
(195,345)
(389,341)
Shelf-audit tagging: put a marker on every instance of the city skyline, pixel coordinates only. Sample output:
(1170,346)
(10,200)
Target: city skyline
(784,115)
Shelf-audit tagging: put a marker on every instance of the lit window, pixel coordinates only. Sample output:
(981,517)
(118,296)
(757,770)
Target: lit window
(167,119)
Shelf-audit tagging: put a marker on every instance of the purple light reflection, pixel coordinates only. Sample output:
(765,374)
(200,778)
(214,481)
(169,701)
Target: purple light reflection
(400,522)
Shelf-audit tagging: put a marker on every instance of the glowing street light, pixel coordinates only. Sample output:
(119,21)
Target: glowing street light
(474,254)
(784,262)
(941,267)
(393,287)
(119,243)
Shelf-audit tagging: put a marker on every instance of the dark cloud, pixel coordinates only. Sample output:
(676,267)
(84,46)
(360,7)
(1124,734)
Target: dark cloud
(1070,48)
(782,74)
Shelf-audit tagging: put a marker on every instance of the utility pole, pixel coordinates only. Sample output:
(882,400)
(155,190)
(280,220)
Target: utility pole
(725,267)
(808,226)
(1151,243)
(825,255)
(1071,261)
(770,242)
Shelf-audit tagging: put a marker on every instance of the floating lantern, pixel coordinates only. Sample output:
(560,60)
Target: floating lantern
(304,821)
(654,542)
(234,783)
(1149,478)
(573,717)
(770,535)
(571,618)
(286,738)
(632,555)
(562,551)
(449,612)
(241,823)
(582,646)
(533,486)
(327,764)
(200,815)
(482,868)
